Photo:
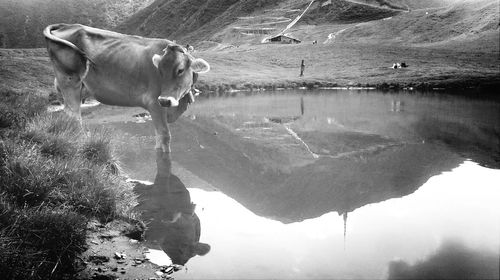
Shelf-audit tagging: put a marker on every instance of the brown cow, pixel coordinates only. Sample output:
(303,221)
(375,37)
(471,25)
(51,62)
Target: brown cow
(123,70)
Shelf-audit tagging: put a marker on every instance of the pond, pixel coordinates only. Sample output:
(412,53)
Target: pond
(322,185)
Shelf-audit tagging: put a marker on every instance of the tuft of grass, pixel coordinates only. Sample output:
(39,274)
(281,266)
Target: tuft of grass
(57,146)
(56,124)
(17,108)
(15,264)
(98,149)
(24,176)
(32,179)
(40,243)
(57,134)
(3,154)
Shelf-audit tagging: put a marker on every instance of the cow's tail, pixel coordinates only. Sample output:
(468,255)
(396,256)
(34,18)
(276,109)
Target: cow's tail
(47,32)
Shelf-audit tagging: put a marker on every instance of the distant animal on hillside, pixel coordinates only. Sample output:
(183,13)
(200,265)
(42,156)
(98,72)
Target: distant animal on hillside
(399,65)
(123,70)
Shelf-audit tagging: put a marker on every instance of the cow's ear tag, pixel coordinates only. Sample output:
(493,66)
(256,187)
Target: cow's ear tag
(156,60)
(200,66)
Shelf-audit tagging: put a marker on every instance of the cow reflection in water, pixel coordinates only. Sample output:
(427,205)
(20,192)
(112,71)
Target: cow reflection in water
(172,222)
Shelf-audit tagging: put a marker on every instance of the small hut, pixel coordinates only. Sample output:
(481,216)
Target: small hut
(284,39)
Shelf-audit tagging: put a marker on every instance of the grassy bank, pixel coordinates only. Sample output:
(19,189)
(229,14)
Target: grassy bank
(55,178)
(278,66)
(271,66)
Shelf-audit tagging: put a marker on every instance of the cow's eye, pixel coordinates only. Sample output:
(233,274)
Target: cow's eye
(180,71)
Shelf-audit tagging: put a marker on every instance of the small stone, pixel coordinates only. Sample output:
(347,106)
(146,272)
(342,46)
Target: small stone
(114,269)
(168,269)
(96,259)
(119,256)
(159,273)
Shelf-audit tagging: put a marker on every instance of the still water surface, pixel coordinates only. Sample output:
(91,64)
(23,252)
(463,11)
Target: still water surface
(324,185)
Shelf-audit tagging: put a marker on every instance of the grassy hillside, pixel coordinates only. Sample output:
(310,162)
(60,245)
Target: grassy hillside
(407,4)
(207,24)
(464,25)
(346,12)
(348,65)
(22,21)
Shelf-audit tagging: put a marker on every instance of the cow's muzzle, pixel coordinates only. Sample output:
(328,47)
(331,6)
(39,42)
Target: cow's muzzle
(168,101)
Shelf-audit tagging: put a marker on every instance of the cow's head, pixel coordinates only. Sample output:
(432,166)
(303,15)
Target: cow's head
(181,241)
(176,68)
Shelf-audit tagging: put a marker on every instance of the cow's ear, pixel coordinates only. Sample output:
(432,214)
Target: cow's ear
(200,66)
(156,60)
(201,249)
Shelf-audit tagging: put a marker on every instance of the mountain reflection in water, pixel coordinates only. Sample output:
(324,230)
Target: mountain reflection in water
(460,205)
(274,176)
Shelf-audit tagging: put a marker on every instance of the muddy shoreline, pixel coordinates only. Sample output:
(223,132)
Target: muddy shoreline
(482,89)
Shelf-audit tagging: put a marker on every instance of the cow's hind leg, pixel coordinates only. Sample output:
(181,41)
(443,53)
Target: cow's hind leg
(70,86)
(70,68)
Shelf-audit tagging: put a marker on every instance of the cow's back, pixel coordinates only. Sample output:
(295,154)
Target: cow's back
(120,70)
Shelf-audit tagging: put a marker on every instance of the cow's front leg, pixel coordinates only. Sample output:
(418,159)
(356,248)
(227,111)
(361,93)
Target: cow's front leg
(162,131)
(163,168)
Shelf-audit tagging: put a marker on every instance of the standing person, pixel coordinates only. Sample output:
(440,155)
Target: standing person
(302,67)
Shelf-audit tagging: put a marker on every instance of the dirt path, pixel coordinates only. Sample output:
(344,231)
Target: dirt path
(112,255)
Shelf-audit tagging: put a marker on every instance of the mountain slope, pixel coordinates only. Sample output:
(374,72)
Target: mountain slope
(195,19)
(464,24)
(22,21)
(341,11)
(407,4)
